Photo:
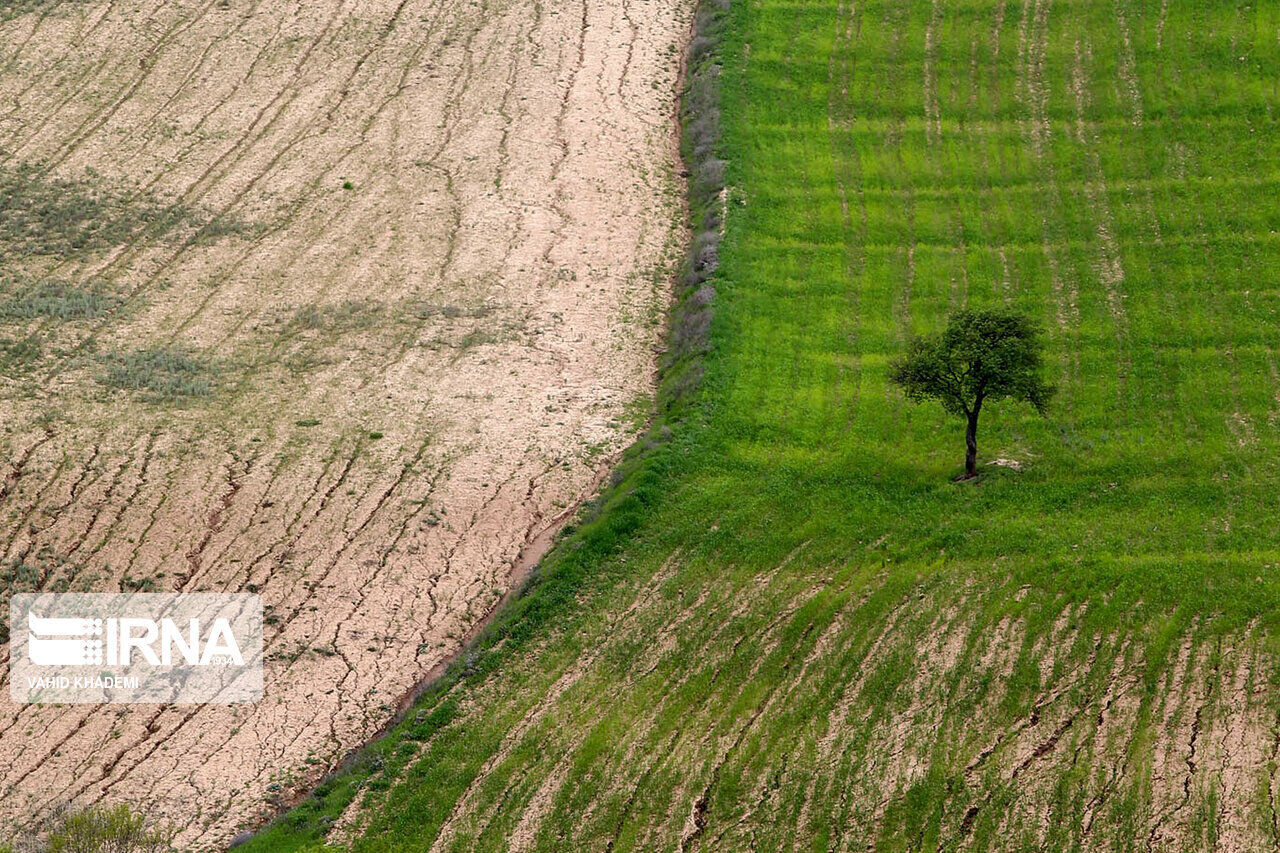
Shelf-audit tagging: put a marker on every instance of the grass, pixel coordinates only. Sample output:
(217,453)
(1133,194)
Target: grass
(342,317)
(42,215)
(323,334)
(17,8)
(161,374)
(43,218)
(741,645)
(59,300)
(19,355)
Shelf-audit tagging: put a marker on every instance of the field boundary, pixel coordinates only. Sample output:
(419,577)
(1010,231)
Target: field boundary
(553,561)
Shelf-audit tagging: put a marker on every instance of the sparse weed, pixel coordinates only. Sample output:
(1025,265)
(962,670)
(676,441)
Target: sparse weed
(17,8)
(58,300)
(161,373)
(141,584)
(19,355)
(346,316)
(42,215)
(450,311)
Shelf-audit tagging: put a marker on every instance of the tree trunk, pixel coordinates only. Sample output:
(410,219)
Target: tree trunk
(971,446)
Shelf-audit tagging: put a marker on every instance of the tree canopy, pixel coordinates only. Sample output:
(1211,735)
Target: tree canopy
(982,356)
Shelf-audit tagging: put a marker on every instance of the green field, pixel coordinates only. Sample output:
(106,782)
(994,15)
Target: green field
(787,628)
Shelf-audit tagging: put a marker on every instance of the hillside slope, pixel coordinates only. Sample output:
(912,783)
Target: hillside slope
(294,300)
(787,629)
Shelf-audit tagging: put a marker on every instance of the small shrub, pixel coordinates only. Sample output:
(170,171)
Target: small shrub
(99,829)
(308,317)
(17,575)
(691,326)
(224,226)
(475,338)
(143,584)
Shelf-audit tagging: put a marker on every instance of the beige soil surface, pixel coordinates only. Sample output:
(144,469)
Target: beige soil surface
(415,271)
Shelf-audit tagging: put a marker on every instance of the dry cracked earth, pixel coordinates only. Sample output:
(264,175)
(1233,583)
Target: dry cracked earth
(346,303)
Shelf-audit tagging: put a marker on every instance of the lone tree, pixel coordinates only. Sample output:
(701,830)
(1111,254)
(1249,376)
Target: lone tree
(983,356)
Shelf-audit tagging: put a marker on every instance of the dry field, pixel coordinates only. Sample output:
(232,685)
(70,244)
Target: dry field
(342,302)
